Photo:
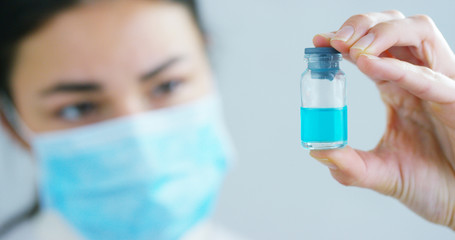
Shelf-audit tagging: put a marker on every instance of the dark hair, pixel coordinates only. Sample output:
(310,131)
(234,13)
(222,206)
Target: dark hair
(19,18)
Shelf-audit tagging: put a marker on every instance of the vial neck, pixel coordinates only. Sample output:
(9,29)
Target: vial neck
(323,61)
(324,65)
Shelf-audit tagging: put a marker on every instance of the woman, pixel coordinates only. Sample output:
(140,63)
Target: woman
(115,100)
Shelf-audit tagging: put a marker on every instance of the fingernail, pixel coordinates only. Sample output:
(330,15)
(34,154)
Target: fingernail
(328,163)
(436,107)
(327,35)
(344,34)
(364,42)
(369,56)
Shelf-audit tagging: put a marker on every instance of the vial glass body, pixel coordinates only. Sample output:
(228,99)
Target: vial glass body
(323,110)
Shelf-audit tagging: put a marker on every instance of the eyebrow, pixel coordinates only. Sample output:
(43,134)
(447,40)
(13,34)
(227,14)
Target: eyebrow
(91,86)
(74,87)
(160,68)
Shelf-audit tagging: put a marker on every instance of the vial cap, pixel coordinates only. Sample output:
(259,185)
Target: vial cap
(321,50)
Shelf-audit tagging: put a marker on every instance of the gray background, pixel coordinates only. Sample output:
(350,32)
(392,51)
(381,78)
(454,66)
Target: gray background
(276,191)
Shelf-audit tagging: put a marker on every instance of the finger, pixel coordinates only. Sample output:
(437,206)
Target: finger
(357,26)
(403,54)
(352,167)
(346,165)
(419,32)
(403,32)
(323,39)
(418,80)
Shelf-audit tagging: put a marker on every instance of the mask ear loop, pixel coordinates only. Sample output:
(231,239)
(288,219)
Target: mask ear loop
(14,125)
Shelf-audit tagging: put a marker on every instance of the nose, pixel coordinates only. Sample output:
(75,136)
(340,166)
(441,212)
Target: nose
(127,106)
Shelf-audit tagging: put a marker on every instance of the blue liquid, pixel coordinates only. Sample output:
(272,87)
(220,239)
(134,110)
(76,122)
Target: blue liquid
(324,125)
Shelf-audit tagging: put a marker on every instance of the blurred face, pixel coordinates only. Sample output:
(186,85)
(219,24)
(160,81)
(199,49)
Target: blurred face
(108,59)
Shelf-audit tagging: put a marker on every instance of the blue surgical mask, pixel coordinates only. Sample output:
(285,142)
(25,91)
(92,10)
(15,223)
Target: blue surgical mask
(149,176)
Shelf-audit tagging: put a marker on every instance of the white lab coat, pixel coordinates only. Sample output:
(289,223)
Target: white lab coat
(18,174)
(17,178)
(49,226)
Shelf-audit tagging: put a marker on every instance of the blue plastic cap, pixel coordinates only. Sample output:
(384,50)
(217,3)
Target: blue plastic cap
(321,50)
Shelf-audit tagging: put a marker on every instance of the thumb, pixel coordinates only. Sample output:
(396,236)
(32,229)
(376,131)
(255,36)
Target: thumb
(352,167)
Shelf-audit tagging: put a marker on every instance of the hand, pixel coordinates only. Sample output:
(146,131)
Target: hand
(414,70)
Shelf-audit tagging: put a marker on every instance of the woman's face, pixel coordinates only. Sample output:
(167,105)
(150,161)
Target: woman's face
(108,59)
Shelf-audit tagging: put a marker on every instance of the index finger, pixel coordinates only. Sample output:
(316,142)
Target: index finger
(353,29)
(419,32)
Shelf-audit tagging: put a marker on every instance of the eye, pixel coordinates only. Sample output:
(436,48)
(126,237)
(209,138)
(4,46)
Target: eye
(166,88)
(77,111)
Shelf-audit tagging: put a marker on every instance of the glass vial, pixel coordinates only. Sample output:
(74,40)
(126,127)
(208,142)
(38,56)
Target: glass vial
(323,112)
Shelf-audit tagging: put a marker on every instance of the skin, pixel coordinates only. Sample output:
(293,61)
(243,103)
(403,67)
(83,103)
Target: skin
(109,59)
(414,70)
(105,50)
